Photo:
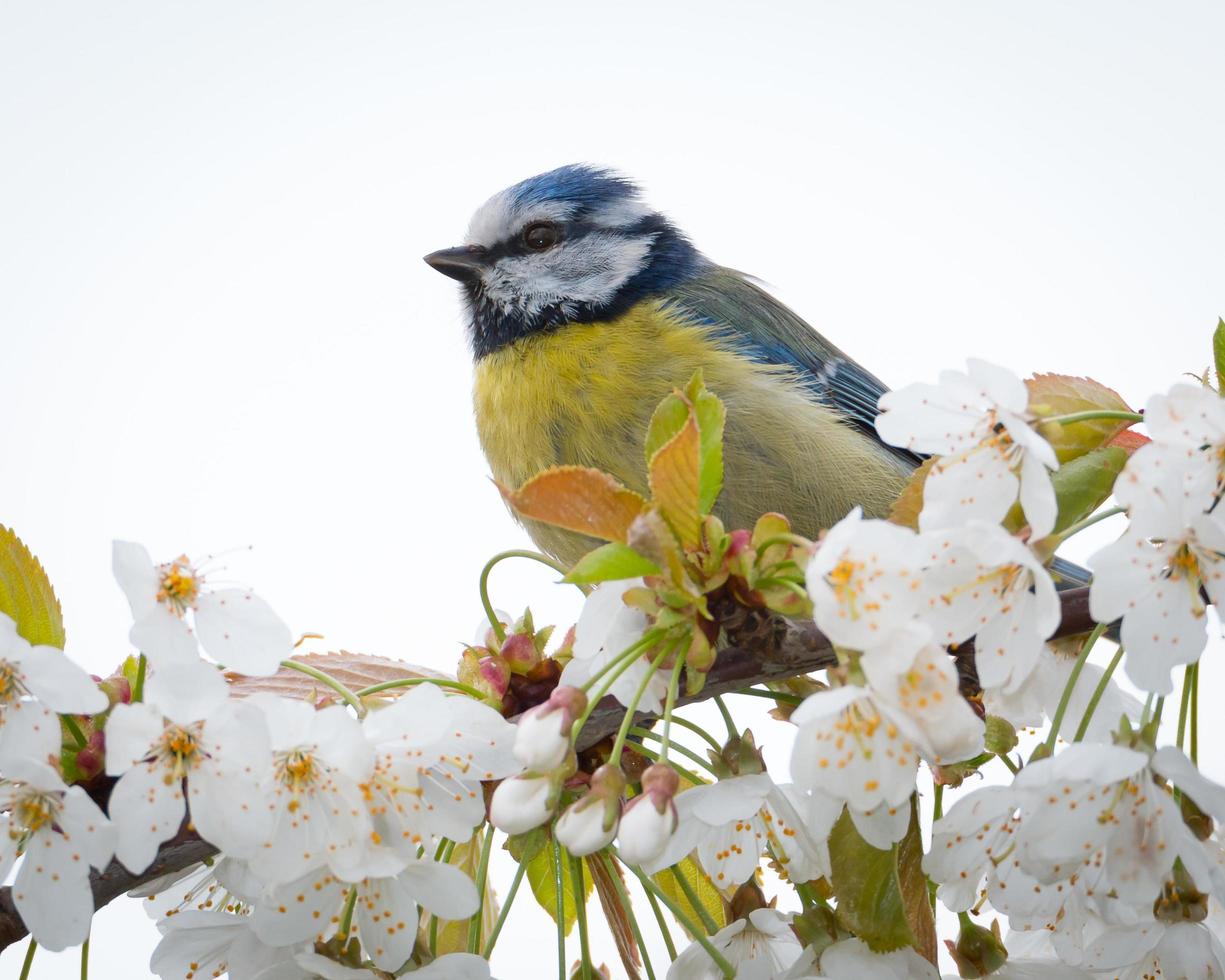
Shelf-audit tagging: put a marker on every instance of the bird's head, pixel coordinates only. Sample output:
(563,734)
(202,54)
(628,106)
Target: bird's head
(574,245)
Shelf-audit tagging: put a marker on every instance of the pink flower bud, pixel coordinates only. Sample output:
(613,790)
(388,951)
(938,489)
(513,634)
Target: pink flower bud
(487,673)
(542,737)
(520,653)
(523,802)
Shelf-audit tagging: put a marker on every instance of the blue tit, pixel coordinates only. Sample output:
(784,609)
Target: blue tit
(586,307)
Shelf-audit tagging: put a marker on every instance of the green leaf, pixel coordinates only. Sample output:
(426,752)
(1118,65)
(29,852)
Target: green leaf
(882,895)
(1060,394)
(453,933)
(675,478)
(608,562)
(668,419)
(1084,483)
(535,850)
(711,416)
(1218,353)
(26,594)
(703,889)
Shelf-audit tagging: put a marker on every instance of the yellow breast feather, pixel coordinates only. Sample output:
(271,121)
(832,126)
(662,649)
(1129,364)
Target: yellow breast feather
(584,393)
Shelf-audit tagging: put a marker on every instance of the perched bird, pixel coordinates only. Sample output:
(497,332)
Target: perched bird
(586,307)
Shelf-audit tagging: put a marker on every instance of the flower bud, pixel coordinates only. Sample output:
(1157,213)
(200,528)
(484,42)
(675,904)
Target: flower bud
(487,673)
(523,802)
(650,819)
(542,736)
(590,824)
(520,653)
(978,952)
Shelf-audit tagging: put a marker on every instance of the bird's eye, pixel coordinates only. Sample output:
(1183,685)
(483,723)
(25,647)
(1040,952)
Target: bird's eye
(541,235)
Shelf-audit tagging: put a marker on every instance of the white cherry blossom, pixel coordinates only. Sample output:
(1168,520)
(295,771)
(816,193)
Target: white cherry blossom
(58,833)
(977,422)
(606,628)
(220,762)
(760,947)
(432,751)
(320,761)
(384,916)
(42,673)
(211,943)
(234,626)
(523,802)
(1152,579)
(851,959)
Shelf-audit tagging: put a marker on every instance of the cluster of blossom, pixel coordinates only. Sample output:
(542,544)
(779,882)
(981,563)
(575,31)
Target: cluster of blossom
(333,822)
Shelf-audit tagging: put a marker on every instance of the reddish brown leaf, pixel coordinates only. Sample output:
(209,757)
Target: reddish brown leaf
(1129,441)
(578,498)
(906,508)
(354,670)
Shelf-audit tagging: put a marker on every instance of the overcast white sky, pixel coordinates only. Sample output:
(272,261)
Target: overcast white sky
(217,330)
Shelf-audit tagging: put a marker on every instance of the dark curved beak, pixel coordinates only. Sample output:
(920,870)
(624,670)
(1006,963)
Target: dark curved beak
(463,263)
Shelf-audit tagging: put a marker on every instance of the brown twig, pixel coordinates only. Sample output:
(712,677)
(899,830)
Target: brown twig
(763,646)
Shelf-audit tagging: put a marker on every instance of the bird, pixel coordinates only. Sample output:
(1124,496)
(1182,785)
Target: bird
(585,307)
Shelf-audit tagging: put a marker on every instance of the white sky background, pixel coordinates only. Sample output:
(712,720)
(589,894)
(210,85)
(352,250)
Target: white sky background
(217,330)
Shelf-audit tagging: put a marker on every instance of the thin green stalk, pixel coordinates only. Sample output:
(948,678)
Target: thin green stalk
(651,754)
(561,909)
(674,686)
(1195,717)
(510,897)
(74,730)
(697,730)
(1184,706)
(622,894)
(85,959)
(1092,415)
(1012,766)
(615,758)
(1089,521)
(328,680)
(492,616)
(772,695)
(31,949)
(482,876)
(679,749)
(614,669)
(695,903)
(784,538)
(580,908)
(1158,710)
(664,931)
(1148,707)
(937,813)
(727,718)
(138,689)
(413,681)
(1066,697)
(445,849)
(694,929)
(346,917)
(1098,691)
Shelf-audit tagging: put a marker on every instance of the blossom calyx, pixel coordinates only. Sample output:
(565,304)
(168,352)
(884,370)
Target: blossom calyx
(978,952)
(542,736)
(590,823)
(486,672)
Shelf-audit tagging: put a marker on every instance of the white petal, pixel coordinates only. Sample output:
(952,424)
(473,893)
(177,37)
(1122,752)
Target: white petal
(1037,496)
(137,576)
(884,826)
(145,811)
(162,637)
(186,690)
(455,966)
(239,629)
(998,384)
(443,889)
(978,485)
(1178,769)
(299,910)
(55,906)
(28,732)
(60,684)
(387,921)
(131,730)
(731,852)
(86,828)
(737,798)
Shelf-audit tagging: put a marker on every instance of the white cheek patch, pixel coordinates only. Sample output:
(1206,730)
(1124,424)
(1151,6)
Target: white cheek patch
(588,270)
(501,218)
(624,213)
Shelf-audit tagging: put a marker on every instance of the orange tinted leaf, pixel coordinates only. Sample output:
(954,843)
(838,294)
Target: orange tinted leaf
(1129,441)
(354,670)
(578,498)
(1061,394)
(675,483)
(905,510)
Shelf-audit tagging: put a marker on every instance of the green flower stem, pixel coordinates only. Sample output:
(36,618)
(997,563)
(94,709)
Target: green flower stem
(28,962)
(1012,766)
(446,682)
(791,539)
(1090,416)
(782,583)
(328,680)
(74,730)
(651,754)
(937,813)
(138,689)
(1100,690)
(772,695)
(1148,707)
(614,759)
(697,730)
(1195,716)
(580,908)
(85,959)
(1158,709)
(1066,697)
(510,897)
(662,923)
(727,719)
(482,876)
(695,903)
(611,870)
(445,849)
(1089,521)
(694,929)
(1184,706)
(679,749)
(492,616)
(561,909)
(614,669)
(346,917)
(674,686)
